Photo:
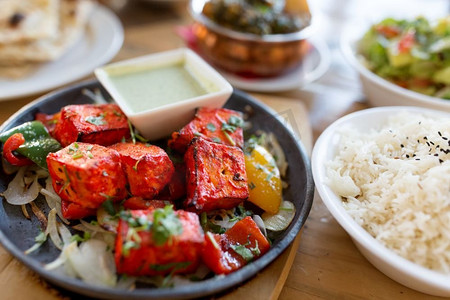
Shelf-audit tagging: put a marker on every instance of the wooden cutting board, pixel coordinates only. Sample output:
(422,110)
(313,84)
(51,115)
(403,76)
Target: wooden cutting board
(18,282)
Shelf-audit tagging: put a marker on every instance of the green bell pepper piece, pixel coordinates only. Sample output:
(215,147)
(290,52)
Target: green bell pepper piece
(38,142)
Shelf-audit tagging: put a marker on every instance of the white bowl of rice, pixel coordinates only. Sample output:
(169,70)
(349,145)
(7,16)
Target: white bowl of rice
(384,175)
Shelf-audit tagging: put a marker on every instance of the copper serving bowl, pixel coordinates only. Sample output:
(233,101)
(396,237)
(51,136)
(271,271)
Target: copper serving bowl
(245,53)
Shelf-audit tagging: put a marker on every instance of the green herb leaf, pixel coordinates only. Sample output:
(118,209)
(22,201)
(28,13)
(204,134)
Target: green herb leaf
(41,237)
(211,127)
(243,251)
(165,224)
(78,238)
(108,205)
(234,122)
(128,246)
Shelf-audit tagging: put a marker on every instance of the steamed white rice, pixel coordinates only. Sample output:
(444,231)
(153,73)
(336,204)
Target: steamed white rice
(395,182)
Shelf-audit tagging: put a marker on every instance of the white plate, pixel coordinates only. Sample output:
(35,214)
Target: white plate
(102,40)
(314,65)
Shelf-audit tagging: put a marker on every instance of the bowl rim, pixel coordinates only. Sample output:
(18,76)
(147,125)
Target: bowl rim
(348,42)
(196,14)
(322,150)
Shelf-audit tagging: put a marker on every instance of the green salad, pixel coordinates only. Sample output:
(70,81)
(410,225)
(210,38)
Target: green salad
(413,54)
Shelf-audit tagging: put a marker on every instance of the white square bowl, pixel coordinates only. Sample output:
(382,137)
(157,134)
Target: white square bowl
(161,121)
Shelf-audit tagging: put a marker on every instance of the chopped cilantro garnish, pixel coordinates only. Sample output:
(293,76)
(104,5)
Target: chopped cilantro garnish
(109,206)
(41,237)
(77,155)
(243,251)
(234,122)
(247,253)
(211,127)
(165,224)
(78,238)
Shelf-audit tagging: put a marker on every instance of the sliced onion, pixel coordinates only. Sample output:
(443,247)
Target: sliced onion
(126,283)
(225,220)
(58,262)
(98,232)
(282,219)
(277,151)
(91,227)
(92,262)
(52,230)
(18,193)
(65,234)
(52,199)
(259,221)
(106,220)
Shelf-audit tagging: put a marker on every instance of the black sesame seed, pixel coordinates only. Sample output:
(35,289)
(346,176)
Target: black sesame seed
(440,134)
(407,156)
(441,161)
(401,145)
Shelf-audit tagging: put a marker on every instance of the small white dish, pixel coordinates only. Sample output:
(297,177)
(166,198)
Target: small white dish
(379,91)
(100,43)
(313,66)
(394,266)
(159,110)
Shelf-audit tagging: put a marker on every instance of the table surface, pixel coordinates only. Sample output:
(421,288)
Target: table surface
(326,265)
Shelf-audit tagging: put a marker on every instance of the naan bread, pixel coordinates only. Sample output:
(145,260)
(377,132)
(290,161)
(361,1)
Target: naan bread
(73,15)
(17,72)
(25,20)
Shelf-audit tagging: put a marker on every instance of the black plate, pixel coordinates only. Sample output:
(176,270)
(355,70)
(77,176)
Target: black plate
(17,233)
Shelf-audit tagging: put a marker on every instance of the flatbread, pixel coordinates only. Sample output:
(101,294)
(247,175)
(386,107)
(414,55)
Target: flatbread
(18,72)
(26,20)
(73,15)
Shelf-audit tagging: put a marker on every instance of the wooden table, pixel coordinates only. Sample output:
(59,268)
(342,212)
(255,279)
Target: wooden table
(325,264)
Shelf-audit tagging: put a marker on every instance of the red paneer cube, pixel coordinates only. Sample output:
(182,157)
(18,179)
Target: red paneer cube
(145,248)
(74,211)
(148,168)
(49,121)
(102,124)
(228,252)
(218,125)
(87,174)
(215,176)
(138,203)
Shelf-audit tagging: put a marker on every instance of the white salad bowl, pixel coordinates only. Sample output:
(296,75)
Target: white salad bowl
(379,91)
(162,117)
(394,266)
